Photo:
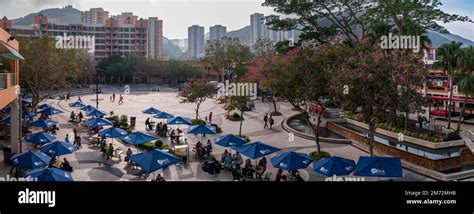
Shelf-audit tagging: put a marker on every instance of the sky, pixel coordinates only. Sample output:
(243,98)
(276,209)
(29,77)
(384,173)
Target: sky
(178,15)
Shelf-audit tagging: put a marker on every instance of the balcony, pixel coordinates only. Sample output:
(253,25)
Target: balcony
(7,80)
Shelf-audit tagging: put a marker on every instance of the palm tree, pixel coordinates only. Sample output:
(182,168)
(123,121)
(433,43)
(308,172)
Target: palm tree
(466,64)
(449,57)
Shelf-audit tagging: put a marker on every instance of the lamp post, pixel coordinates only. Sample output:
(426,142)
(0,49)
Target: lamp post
(97,89)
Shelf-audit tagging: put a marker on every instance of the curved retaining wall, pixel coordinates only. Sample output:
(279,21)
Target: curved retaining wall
(286,127)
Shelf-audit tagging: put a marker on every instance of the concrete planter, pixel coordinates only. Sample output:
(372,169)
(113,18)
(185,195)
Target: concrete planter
(409,139)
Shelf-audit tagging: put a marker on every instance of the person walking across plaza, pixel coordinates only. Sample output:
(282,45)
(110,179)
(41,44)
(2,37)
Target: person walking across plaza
(120,102)
(265,120)
(210,117)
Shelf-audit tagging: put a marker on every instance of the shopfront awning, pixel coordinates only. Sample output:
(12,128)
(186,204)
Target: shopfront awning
(456,99)
(9,52)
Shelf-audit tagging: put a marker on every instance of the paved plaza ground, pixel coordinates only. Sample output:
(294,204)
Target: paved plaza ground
(90,165)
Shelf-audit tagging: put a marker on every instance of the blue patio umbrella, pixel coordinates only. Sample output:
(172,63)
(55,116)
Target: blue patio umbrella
(256,149)
(51,111)
(95,113)
(25,103)
(76,104)
(50,175)
(179,121)
(7,110)
(40,138)
(137,138)
(30,160)
(291,161)
(379,167)
(58,148)
(163,115)
(87,108)
(5,121)
(151,111)
(112,132)
(96,122)
(26,97)
(27,114)
(153,160)
(202,129)
(44,106)
(230,140)
(334,166)
(45,124)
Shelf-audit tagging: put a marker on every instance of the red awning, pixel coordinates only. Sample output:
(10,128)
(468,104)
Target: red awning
(452,99)
(439,112)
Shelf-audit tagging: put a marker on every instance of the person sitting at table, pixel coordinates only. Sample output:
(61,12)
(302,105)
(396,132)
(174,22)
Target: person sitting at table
(103,146)
(198,149)
(208,148)
(159,178)
(128,154)
(80,116)
(261,167)
(73,116)
(279,175)
(66,166)
(147,123)
(53,161)
(179,131)
(172,135)
(110,151)
(223,156)
(228,162)
(248,170)
(236,174)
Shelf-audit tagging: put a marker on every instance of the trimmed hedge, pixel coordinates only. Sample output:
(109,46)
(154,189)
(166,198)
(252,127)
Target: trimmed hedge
(318,156)
(276,113)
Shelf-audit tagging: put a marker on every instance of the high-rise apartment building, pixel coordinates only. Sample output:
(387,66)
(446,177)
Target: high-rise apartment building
(216,32)
(196,41)
(94,16)
(125,18)
(143,37)
(258,29)
(155,38)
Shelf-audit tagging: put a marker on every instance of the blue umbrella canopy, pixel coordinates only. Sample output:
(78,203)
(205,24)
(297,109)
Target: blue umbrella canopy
(291,161)
(87,108)
(51,111)
(230,140)
(202,129)
(256,149)
(96,122)
(40,138)
(163,115)
(112,132)
(7,110)
(379,167)
(50,175)
(30,160)
(26,97)
(44,106)
(95,113)
(76,104)
(27,114)
(6,121)
(58,148)
(153,160)
(137,138)
(45,124)
(25,103)
(334,166)
(179,121)
(151,111)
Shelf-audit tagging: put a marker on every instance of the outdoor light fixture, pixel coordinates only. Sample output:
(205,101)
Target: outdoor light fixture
(11,38)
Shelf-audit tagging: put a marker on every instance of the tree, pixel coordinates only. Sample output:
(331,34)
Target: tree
(196,92)
(356,20)
(449,55)
(239,103)
(47,68)
(300,77)
(374,79)
(227,55)
(466,86)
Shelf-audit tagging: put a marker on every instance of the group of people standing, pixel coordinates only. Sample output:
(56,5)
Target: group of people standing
(268,120)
